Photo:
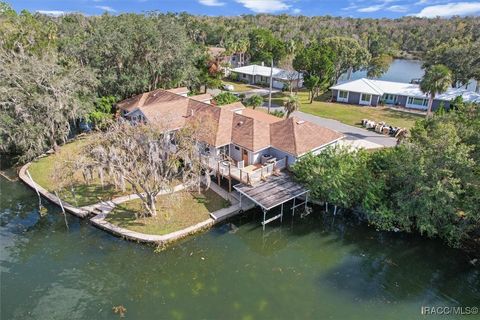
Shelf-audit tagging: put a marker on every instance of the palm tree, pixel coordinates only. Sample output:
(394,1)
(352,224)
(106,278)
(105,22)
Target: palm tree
(254,101)
(291,104)
(437,80)
(242,47)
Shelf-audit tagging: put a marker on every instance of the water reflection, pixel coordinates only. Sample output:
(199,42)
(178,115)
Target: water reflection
(317,267)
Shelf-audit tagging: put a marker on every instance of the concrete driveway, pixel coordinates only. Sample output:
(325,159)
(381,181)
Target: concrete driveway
(356,137)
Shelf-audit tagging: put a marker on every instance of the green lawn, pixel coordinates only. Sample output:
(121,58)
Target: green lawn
(352,114)
(44,170)
(239,86)
(174,212)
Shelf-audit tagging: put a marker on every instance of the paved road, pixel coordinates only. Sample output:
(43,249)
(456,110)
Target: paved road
(357,137)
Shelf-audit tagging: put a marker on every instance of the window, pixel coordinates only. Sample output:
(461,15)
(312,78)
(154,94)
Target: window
(418,101)
(237,148)
(224,150)
(244,75)
(365,97)
(343,94)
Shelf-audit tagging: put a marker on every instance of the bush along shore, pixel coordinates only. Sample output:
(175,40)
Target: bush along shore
(429,184)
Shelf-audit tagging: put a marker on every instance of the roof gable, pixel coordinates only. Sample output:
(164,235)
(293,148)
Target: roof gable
(298,137)
(259,115)
(250,133)
(362,85)
(263,71)
(251,129)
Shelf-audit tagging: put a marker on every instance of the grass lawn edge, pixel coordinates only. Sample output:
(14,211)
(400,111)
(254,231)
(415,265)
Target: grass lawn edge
(103,222)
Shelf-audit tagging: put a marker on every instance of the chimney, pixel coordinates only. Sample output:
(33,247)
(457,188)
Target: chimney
(263,64)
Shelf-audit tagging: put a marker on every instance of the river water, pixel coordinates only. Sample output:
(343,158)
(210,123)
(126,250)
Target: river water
(400,70)
(320,267)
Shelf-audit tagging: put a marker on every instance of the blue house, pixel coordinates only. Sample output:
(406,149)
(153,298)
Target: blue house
(374,92)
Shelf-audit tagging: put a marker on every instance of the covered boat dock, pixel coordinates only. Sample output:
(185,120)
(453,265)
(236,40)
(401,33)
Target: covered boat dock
(272,192)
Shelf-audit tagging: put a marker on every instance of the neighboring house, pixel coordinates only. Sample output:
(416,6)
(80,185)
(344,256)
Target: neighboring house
(128,105)
(233,138)
(373,92)
(255,74)
(206,98)
(220,56)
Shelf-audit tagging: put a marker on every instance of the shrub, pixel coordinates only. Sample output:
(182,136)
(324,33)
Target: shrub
(278,113)
(226,98)
(254,101)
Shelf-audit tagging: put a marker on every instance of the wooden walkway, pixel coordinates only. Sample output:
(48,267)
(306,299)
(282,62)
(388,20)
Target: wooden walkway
(235,208)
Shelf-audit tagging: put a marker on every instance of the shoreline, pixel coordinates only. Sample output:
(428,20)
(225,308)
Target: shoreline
(97,219)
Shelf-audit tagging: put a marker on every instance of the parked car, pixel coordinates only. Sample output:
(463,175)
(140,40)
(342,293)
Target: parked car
(228,87)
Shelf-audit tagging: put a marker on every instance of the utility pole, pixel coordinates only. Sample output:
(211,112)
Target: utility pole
(271,84)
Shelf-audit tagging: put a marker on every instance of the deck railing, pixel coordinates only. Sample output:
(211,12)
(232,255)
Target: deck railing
(281,164)
(228,169)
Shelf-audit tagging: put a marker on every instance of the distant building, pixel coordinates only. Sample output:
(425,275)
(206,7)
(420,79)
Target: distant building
(255,74)
(220,56)
(374,92)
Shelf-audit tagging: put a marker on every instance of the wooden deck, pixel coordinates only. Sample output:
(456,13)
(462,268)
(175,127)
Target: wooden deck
(251,175)
(273,192)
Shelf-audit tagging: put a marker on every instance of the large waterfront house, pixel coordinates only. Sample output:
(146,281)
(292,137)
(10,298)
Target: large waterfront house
(237,142)
(255,74)
(374,92)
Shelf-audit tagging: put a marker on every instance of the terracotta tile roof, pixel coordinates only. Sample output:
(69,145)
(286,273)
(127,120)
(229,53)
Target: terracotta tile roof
(206,97)
(224,129)
(259,115)
(131,103)
(250,133)
(233,106)
(146,98)
(159,95)
(169,115)
(181,90)
(298,137)
(233,123)
(215,123)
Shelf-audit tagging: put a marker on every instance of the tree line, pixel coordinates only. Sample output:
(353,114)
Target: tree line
(429,184)
(58,71)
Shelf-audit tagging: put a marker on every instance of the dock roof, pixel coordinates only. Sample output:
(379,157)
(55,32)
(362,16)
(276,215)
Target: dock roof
(273,192)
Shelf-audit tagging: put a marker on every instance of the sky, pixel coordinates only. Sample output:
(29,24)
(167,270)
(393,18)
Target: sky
(345,8)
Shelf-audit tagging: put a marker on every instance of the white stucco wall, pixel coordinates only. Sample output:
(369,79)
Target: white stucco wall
(235,154)
(280,155)
(319,150)
(257,157)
